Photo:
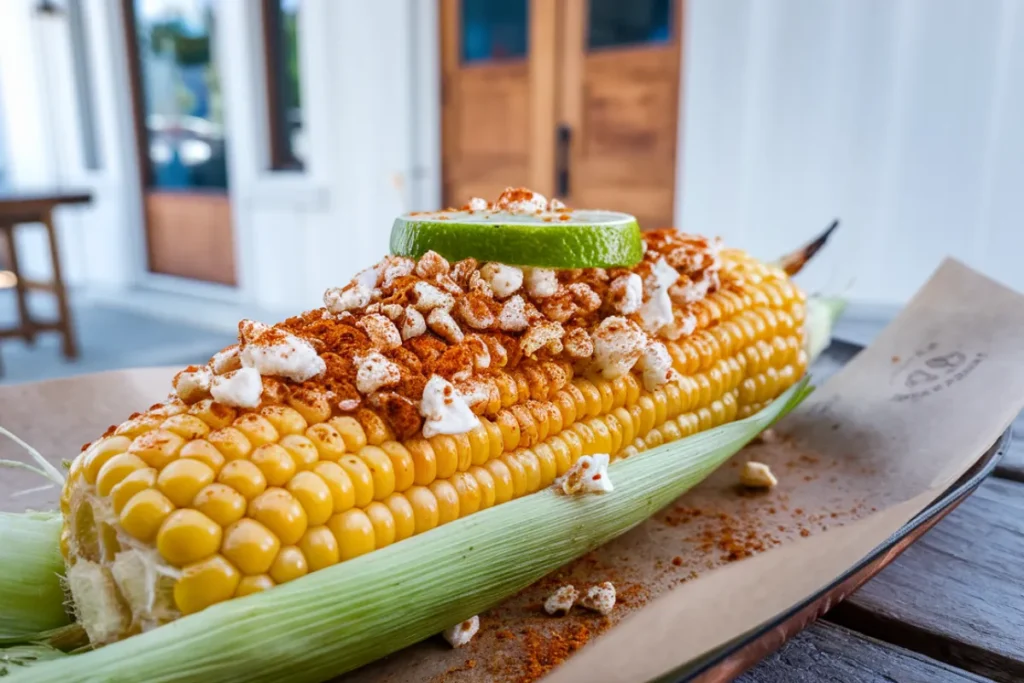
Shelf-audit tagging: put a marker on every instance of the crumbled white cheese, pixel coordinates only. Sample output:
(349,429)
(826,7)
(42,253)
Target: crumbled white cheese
(240,388)
(504,280)
(276,352)
(340,300)
(562,600)
(474,391)
(627,293)
(444,410)
(555,204)
(413,325)
(578,344)
(478,204)
(382,332)
(513,315)
(374,371)
(369,277)
(432,264)
(585,297)
(690,291)
(589,474)
(195,385)
(656,363)
(460,634)
(600,598)
(521,200)
(396,267)
(543,333)
(481,354)
(348,405)
(657,312)
(225,360)
(618,343)
(392,311)
(757,475)
(540,282)
(427,297)
(441,322)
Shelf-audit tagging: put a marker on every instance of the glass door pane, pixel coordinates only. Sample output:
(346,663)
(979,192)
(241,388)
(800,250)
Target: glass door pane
(494,30)
(615,24)
(181,96)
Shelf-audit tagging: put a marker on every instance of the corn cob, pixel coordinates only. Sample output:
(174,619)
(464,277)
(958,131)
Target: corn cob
(195,502)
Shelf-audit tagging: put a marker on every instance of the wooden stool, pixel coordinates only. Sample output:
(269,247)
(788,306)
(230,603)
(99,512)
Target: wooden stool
(17,209)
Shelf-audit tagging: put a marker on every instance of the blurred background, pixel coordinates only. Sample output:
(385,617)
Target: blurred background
(170,166)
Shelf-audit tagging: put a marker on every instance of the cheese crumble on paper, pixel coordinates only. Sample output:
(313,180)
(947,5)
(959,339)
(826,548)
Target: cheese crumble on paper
(462,633)
(588,475)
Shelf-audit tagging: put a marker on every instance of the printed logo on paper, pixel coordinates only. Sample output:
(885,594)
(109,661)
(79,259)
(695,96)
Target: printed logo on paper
(932,370)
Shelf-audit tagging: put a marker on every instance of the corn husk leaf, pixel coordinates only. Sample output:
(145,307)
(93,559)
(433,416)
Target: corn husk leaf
(31,595)
(341,617)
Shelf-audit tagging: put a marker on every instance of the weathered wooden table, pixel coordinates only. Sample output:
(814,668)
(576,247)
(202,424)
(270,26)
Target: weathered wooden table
(22,207)
(950,608)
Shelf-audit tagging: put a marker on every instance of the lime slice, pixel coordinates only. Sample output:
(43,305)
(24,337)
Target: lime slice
(549,239)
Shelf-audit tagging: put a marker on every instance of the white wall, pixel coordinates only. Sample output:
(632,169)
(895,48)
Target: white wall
(900,117)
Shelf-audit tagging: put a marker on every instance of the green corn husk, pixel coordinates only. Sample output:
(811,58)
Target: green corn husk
(342,617)
(31,595)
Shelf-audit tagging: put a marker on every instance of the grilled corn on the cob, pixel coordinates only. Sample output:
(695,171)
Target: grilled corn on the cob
(212,495)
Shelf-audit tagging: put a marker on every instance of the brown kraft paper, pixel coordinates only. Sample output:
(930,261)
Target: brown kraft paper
(867,451)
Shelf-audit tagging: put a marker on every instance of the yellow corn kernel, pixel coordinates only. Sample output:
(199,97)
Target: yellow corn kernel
(136,481)
(313,406)
(351,432)
(381,469)
(275,463)
(313,495)
(424,461)
(143,514)
(654,439)
(480,449)
(99,453)
(304,454)
(361,476)
(216,415)
(648,415)
(486,483)
(279,511)
(205,583)
(250,546)
(504,488)
(670,431)
(463,451)
(587,437)
(660,407)
(354,533)
(244,477)
(320,547)
(328,441)
(566,407)
(157,447)
(343,492)
(602,435)
(286,421)
(253,584)
(509,427)
(531,468)
(187,536)
(517,472)
(548,465)
(625,421)
(137,426)
(495,441)
(401,463)
(289,565)
(447,500)
(425,510)
(182,479)
(383,524)
(186,426)
(115,469)
(563,458)
(403,514)
(446,453)
(611,423)
(231,443)
(468,490)
(257,429)
(221,503)
(704,418)
(554,418)
(607,392)
(203,451)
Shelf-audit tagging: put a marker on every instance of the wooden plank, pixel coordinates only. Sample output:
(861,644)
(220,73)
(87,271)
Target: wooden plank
(1012,464)
(957,595)
(191,235)
(543,69)
(826,652)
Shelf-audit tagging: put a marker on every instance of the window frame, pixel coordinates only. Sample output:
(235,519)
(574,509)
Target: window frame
(282,158)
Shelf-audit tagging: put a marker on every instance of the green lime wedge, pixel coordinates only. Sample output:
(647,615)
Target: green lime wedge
(551,239)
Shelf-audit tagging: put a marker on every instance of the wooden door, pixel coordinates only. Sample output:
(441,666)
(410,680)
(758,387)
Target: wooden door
(179,126)
(619,105)
(498,96)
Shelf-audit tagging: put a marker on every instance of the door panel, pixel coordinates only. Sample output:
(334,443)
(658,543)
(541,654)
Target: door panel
(486,97)
(181,138)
